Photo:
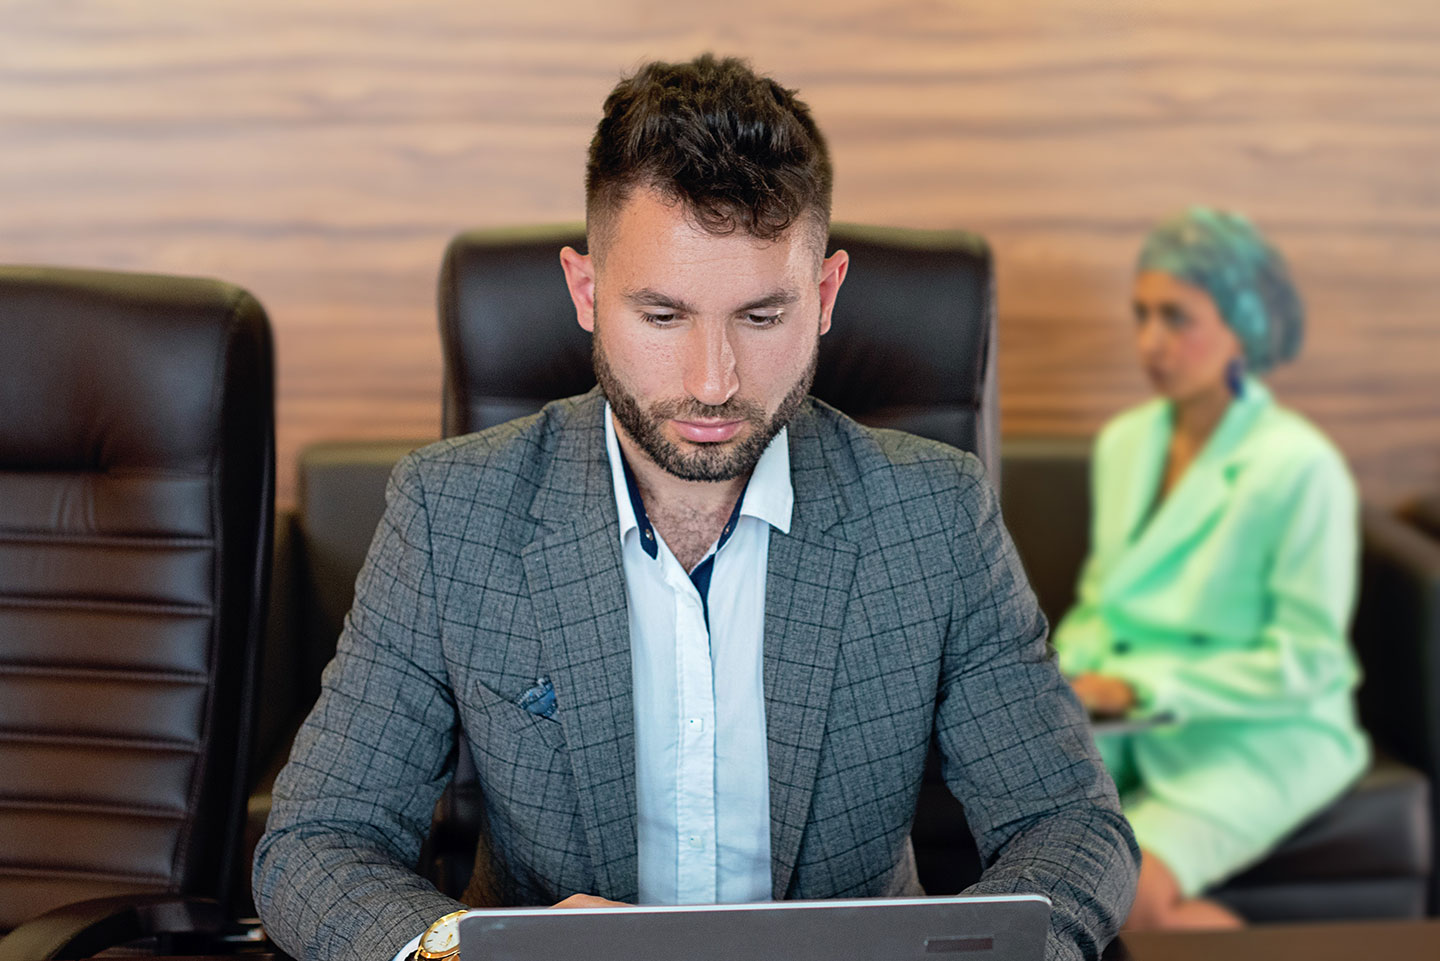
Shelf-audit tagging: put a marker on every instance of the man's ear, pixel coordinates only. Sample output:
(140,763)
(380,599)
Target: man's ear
(580,278)
(832,275)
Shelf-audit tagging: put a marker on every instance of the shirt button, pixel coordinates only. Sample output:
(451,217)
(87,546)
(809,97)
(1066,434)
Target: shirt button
(696,724)
(696,842)
(648,535)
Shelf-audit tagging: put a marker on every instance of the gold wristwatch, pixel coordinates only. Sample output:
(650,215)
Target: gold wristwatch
(441,941)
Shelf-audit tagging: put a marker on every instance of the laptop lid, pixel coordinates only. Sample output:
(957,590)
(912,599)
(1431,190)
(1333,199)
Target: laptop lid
(984,928)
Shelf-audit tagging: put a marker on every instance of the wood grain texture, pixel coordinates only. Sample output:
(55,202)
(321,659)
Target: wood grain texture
(321,154)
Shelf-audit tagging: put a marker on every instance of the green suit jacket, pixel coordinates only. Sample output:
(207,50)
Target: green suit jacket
(1227,608)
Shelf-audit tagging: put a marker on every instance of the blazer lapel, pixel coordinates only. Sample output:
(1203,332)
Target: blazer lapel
(807,589)
(577,585)
(1190,507)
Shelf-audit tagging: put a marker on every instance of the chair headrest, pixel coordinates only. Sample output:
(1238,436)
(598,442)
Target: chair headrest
(141,358)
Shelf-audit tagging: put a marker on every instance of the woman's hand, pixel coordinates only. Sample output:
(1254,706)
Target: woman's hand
(1102,695)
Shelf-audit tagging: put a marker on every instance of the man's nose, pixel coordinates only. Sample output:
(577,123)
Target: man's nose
(710,375)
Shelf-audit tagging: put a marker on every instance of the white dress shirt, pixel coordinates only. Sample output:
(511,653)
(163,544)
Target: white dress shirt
(702,777)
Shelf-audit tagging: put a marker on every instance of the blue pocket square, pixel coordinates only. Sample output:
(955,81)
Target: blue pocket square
(540,699)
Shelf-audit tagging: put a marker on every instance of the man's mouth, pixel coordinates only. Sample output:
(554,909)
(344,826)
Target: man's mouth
(707,431)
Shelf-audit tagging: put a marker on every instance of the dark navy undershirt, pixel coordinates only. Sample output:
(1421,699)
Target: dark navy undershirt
(700,576)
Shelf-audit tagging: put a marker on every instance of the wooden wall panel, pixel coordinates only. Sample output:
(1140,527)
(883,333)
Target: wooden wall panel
(321,154)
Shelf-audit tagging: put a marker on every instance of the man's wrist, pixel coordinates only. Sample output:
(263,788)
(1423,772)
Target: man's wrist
(407,953)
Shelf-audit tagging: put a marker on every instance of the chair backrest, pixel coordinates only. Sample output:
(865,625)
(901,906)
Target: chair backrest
(1046,503)
(1425,514)
(912,346)
(136,500)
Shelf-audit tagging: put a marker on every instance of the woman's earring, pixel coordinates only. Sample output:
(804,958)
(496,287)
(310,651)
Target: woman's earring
(1235,376)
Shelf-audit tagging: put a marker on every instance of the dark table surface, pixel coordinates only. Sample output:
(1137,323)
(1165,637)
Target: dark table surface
(1339,941)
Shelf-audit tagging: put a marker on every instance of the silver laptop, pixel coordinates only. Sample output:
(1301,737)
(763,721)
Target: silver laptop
(992,928)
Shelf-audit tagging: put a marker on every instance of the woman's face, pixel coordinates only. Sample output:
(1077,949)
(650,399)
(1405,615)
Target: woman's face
(1184,345)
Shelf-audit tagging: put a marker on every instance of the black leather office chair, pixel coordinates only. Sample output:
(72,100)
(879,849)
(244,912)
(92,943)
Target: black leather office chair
(912,347)
(136,497)
(1397,634)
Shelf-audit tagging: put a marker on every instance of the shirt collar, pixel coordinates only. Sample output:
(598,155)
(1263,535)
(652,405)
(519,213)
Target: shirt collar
(769,496)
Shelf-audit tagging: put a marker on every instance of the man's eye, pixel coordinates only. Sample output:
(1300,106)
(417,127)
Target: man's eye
(762,320)
(658,319)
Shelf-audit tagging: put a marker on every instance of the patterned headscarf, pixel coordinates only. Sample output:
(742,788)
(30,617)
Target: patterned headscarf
(1224,254)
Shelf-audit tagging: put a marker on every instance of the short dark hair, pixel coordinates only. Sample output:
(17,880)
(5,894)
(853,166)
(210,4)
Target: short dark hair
(740,151)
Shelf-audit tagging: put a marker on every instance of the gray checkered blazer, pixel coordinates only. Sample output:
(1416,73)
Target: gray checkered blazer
(895,608)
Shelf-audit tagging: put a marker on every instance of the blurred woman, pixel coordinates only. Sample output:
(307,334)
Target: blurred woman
(1220,581)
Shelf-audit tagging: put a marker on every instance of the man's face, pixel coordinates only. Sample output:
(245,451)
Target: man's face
(704,345)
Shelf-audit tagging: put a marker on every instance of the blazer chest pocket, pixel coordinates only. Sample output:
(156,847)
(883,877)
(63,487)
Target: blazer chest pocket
(504,720)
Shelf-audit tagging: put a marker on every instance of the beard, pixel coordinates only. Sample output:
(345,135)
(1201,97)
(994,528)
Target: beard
(719,461)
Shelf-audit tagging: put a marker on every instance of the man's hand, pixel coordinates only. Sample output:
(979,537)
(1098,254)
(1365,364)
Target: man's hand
(1102,695)
(588,901)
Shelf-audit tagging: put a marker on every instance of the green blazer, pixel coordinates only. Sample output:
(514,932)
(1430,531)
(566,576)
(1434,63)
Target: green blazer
(1227,608)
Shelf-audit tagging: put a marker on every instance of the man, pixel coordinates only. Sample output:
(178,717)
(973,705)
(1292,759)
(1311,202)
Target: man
(697,628)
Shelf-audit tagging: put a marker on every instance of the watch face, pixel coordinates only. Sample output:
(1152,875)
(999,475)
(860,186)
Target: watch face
(443,938)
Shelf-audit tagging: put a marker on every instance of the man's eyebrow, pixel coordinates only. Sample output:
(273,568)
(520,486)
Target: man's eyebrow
(648,297)
(778,298)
